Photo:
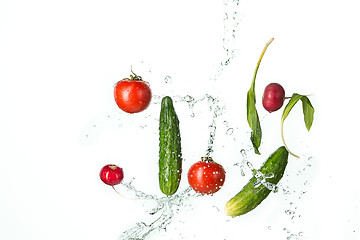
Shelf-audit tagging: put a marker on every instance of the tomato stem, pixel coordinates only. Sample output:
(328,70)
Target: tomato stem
(134,77)
(207,159)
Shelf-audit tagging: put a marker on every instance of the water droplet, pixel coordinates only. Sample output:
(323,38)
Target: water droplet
(250,165)
(269,175)
(167,79)
(188,98)
(235,52)
(289,212)
(229,131)
(243,153)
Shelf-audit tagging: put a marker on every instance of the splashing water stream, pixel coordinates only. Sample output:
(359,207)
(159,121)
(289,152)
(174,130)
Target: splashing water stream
(163,213)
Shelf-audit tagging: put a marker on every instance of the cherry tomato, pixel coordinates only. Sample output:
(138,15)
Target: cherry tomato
(132,95)
(273,97)
(206,176)
(111,174)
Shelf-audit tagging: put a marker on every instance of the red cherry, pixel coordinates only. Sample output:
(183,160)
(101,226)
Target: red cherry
(111,174)
(273,98)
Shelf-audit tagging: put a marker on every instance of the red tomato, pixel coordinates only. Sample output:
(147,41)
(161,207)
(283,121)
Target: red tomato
(111,174)
(206,176)
(132,95)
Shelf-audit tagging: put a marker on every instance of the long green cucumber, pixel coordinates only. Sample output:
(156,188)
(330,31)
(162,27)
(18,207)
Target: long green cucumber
(250,197)
(170,157)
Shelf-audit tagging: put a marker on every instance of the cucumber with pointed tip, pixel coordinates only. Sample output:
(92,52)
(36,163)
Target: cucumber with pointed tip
(170,157)
(250,197)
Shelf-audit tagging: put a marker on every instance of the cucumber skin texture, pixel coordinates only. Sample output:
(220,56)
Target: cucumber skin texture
(170,157)
(249,197)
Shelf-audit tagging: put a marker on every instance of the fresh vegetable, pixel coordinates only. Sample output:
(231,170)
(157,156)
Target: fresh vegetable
(273,97)
(308,111)
(132,95)
(253,193)
(111,174)
(252,115)
(206,176)
(170,158)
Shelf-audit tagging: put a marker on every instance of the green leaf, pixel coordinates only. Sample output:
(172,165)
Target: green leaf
(253,120)
(252,115)
(294,99)
(308,111)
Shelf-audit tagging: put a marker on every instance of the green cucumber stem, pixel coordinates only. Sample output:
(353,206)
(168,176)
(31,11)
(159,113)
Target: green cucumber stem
(283,139)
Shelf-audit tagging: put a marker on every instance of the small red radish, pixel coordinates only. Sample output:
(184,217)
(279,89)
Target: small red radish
(273,98)
(111,174)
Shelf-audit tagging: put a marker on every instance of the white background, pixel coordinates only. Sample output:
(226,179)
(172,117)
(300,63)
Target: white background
(59,124)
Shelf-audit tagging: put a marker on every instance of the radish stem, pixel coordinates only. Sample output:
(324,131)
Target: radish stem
(283,139)
(121,194)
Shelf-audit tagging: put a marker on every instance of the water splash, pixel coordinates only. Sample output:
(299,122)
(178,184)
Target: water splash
(216,110)
(231,21)
(293,236)
(130,192)
(261,179)
(161,215)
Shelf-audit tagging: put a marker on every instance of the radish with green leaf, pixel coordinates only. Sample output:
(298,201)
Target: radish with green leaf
(273,99)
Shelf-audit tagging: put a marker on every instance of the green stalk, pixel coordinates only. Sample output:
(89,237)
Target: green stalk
(258,64)
(283,139)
